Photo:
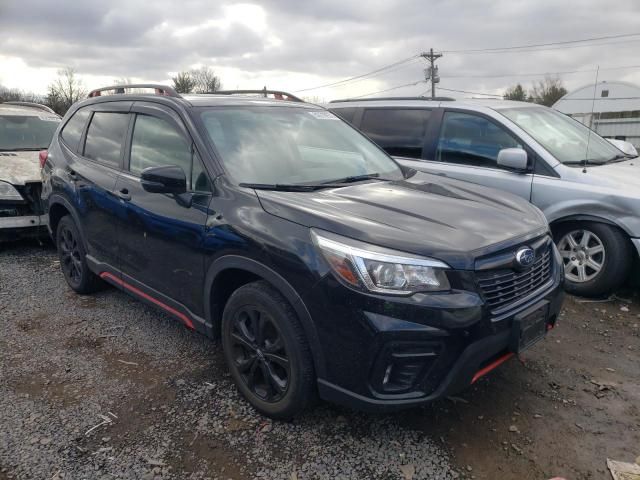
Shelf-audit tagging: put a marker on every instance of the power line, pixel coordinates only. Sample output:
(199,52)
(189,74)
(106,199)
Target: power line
(567,72)
(533,45)
(472,93)
(350,79)
(392,88)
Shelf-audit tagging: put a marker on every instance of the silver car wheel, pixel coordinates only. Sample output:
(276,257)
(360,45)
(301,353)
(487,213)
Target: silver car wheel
(583,255)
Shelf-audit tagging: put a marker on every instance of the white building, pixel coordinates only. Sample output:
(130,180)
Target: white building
(616,109)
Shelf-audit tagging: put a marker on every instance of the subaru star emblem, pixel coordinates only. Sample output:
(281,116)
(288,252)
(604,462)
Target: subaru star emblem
(525,257)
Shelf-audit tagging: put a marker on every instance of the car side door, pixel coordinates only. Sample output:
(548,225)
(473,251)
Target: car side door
(92,171)
(466,147)
(161,238)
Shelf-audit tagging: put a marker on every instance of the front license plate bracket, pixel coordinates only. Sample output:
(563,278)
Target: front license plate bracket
(529,327)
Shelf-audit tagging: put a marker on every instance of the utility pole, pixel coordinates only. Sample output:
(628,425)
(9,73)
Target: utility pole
(431,73)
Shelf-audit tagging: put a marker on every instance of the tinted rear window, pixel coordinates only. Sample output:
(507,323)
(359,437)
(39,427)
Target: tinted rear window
(398,131)
(105,136)
(347,114)
(27,132)
(72,131)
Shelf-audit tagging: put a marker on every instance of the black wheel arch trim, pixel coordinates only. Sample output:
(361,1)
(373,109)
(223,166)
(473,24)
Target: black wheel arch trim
(587,218)
(279,283)
(57,199)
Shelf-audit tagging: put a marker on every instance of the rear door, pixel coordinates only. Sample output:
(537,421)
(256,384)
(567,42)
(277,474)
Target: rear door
(466,148)
(93,165)
(162,235)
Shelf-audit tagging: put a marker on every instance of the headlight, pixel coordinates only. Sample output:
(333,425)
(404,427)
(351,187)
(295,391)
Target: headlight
(378,269)
(8,192)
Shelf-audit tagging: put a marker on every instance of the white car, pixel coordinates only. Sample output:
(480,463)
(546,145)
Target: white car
(25,130)
(624,146)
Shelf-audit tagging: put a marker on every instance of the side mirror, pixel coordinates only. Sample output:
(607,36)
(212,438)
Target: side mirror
(168,179)
(513,159)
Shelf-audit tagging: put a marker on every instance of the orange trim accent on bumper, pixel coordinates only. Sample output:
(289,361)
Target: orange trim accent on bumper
(493,365)
(155,301)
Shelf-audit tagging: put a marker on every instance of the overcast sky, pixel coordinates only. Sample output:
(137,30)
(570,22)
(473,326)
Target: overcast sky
(298,44)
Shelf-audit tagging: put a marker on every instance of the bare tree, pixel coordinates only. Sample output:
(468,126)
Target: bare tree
(548,91)
(65,91)
(516,93)
(206,81)
(15,95)
(184,82)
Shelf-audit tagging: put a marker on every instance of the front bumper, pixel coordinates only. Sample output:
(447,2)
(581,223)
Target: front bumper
(25,221)
(387,353)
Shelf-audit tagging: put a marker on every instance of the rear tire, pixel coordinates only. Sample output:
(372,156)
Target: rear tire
(267,351)
(72,255)
(597,257)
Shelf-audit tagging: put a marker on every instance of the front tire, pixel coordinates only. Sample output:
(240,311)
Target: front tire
(72,255)
(267,351)
(596,257)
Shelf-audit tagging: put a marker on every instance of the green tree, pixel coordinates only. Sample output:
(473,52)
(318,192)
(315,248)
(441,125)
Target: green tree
(548,91)
(183,82)
(65,90)
(516,93)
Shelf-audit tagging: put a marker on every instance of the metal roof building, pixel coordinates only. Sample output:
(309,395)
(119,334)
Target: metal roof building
(616,109)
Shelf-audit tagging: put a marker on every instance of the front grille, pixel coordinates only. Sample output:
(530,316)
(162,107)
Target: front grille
(503,287)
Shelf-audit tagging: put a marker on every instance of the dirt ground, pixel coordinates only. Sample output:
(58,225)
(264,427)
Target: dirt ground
(570,403)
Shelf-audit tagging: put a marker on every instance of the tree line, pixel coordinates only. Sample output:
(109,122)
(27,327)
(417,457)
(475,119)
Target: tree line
(68,88)
(545,92)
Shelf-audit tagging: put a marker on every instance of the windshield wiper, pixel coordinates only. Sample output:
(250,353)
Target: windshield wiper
(582,162)
(620,157)
(22,149)
(357,178)
(289,187)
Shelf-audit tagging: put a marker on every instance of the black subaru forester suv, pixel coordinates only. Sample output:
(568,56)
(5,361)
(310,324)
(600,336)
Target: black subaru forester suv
(324,267)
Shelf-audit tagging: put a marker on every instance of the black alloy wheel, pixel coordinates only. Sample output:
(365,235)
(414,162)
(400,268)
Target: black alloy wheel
(259,354)
(267,351)
(72,255)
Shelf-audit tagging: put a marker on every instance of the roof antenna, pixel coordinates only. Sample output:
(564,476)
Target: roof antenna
(593,104)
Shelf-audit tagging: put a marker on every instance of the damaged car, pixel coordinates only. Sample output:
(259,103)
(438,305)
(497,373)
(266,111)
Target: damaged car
(26,130)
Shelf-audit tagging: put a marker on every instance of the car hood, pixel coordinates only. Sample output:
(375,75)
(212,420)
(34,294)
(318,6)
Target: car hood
(19,168)
(428,215)
(622,176)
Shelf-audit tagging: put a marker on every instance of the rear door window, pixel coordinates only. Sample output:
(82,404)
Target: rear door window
(72,131)
(105,137)
(468,139)
(399,131)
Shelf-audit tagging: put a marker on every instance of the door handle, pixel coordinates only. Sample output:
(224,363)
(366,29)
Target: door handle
(122,194)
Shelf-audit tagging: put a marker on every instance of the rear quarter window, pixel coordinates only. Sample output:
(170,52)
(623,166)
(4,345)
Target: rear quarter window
(399,131)
(72,131)
(347,114)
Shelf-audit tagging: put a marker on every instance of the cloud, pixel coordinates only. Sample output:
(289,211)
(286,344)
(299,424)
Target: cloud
(294,44)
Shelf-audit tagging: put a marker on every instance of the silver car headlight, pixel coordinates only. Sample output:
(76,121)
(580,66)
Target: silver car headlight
(8,192)
(378,269)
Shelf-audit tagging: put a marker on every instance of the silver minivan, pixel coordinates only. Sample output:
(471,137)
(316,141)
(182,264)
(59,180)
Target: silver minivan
(587,188)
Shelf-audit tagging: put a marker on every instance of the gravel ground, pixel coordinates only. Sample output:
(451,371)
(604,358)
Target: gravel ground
(103,387)
(164,403)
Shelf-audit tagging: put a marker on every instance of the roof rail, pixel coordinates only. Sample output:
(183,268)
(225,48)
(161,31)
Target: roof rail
(163,90)
(39,106)
(277,94)
(435,99)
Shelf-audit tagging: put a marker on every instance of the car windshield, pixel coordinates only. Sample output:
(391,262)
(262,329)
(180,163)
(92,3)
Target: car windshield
(27,132)
(563,137)
(293,145)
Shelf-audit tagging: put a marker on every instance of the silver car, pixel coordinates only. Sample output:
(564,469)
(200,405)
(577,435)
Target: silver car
(25,130)
(588,189)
